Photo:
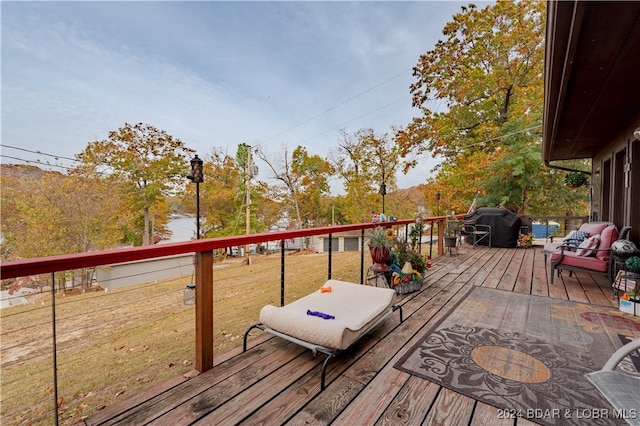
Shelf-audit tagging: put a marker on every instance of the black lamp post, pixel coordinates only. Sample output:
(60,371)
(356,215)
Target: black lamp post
(196,177)
(383,191)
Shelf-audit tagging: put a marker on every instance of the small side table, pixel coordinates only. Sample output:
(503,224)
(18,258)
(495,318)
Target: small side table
(378,277)
(618,264)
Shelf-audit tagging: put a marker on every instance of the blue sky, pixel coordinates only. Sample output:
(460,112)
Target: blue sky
(211,73)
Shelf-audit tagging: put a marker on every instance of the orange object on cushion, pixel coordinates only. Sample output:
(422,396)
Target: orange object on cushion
(607,237)
(325,289)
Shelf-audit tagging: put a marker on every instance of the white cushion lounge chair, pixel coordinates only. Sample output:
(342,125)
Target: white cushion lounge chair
(356,310)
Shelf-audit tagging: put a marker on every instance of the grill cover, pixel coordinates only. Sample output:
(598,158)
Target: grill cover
(505,226)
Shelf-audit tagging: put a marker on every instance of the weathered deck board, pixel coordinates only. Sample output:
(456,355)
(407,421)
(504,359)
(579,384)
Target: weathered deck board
(277,382)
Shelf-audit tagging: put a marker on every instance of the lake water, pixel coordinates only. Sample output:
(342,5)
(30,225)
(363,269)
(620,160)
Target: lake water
(183,228)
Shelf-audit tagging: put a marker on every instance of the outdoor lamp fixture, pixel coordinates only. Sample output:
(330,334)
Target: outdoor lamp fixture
(189,294)
(197,176)
(383,191)
(636,133)
(437,203)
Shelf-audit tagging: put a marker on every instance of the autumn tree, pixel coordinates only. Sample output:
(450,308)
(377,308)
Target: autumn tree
(50,213)
(223,195)
(488,74)
(364,161)
(148,162)
(304,180)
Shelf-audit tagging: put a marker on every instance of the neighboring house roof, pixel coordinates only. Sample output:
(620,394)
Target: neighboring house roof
(592,64)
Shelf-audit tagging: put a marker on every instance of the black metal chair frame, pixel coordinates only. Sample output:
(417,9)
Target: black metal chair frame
(453,226)
(477,231)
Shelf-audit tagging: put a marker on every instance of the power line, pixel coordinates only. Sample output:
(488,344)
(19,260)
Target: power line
(35,162)
(57,157)
(354,119)
(336,106)
(495,138)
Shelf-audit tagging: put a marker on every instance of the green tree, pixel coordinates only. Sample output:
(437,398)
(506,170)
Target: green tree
(148,162)
(488,71)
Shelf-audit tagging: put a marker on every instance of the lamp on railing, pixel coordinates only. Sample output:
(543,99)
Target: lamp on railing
(383,191)
(197,176)
(189,294)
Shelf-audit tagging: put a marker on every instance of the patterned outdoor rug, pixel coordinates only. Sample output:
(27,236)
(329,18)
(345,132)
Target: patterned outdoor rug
(527,355)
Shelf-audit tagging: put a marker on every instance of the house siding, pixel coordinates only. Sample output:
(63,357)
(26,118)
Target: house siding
(616,171)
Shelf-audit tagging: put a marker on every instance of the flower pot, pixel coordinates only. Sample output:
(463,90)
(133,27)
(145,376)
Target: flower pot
(450,241)
(380,256)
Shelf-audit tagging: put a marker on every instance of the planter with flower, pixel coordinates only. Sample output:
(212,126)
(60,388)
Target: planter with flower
(525,240)
(630,302)
(575,179)
(380,240)
(408,267)
(632,264)
(629,282)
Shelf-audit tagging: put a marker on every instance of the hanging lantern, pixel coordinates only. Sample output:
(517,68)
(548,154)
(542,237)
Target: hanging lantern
(189,294)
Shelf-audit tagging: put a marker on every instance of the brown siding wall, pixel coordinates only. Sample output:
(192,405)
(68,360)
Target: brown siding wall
(616,195)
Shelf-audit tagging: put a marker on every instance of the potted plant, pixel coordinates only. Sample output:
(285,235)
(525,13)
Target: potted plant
(407,266)
(575,179)
(629,302)
(451,239)
(525,240)
(633,264)
(380,248)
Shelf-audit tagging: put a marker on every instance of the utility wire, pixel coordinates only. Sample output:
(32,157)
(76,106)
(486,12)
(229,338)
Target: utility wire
(495,138)
(57,157)
(336,106)
(35,162)
(354,119)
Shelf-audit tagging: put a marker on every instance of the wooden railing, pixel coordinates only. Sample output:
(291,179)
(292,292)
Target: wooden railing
(203,251)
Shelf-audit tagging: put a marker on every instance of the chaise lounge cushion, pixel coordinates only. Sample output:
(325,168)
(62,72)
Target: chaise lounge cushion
(571,258)
(355,308)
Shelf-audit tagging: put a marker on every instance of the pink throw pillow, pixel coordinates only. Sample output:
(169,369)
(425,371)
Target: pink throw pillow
(594,228)
(608,236)
(587,246)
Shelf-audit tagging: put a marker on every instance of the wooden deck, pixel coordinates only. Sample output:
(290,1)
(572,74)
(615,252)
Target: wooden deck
(277,382)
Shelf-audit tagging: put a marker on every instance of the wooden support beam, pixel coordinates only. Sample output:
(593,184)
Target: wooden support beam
(204,310)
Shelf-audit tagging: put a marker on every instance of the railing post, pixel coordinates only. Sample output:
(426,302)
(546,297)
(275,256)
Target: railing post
(204,311)
(330,250)
(54,347)
(282,273)
(431,239)
(440,237)
(362,256)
